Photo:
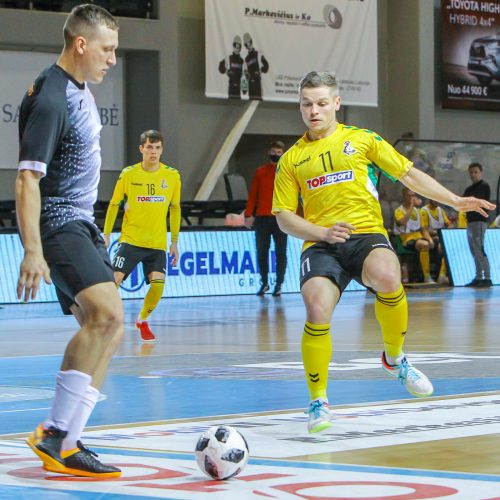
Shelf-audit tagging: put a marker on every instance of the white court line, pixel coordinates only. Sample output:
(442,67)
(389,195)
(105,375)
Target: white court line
(25,409)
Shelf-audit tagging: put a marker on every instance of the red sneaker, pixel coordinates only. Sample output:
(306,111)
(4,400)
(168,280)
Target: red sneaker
(146,334)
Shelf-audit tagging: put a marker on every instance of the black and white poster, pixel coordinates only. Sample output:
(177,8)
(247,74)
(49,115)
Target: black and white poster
(260,49)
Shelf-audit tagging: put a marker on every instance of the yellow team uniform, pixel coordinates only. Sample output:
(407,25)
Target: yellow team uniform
(336,178)
(411,231)
(436,219)
(148,196)
(433,218)
(462,220)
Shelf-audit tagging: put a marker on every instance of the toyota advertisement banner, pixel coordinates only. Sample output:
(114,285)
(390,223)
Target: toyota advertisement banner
(260,49)
(470,69)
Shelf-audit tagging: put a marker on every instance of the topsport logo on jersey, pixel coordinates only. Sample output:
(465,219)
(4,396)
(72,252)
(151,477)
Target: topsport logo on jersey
(150,199)
(327,179)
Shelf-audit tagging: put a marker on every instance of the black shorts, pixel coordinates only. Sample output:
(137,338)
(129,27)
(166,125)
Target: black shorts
(410,244)
(341,262)
(128,256)
(77,258)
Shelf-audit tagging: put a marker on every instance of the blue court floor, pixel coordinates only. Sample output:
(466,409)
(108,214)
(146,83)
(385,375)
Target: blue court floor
(236,360)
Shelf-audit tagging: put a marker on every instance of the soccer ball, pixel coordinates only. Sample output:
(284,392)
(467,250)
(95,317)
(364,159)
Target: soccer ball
(221,452)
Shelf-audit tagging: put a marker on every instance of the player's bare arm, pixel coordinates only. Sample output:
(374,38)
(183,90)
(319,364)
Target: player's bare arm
(33,266)
(427,186)
(296,226)
(109,222)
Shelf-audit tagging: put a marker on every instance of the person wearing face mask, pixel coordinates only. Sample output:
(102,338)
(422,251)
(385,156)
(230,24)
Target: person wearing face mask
(258,215)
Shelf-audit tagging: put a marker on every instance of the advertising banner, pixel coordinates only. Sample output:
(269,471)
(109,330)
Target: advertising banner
(210,263)
(460,262)
(260,49)
(18,70)
(470,69)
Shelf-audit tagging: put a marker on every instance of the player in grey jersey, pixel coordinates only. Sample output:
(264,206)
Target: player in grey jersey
(56,187)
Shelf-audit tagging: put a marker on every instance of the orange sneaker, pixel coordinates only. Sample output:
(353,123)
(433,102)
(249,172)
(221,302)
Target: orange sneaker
(83,462)
(46,443)
(146,334)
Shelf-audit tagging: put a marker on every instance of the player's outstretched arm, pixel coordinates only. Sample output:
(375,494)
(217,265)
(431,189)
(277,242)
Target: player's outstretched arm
(427,186)
(28,204)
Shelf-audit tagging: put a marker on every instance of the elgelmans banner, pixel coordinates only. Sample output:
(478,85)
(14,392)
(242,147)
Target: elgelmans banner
(260,49)
(470,69)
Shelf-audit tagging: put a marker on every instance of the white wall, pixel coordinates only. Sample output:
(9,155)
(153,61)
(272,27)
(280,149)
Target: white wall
(170,94)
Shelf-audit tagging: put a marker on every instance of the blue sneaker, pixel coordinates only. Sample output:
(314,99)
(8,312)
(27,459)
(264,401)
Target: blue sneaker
(319,416)
(415,382)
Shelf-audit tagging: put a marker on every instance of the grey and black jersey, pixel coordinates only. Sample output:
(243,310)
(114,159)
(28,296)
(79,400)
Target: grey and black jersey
(59,130)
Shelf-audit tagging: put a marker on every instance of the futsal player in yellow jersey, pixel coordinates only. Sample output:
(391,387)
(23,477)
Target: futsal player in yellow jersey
(149,191)
(408,224)
(433,217)
(333,169)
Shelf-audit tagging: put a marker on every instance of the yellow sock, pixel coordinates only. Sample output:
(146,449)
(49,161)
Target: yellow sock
(425,263)
(442,269)
(391,311)
(152,298)
(316,355)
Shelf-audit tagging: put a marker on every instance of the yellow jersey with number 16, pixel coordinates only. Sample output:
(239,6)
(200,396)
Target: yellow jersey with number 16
(147,198)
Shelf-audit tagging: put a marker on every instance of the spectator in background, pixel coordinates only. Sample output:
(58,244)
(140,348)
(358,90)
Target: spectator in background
(433,218)
(417,155)
(258,214)
(408,225)
(476,227)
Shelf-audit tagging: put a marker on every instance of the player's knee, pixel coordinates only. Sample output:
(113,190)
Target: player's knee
(106,322)
(388,281)
(390,284)
(422,245)
(319,312)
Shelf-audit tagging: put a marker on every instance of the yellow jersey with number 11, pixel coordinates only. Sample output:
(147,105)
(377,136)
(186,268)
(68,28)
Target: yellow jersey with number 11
(336,178)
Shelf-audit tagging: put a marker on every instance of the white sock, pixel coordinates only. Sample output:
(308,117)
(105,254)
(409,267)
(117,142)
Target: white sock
(70,387)
(394,360)
(80,418)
